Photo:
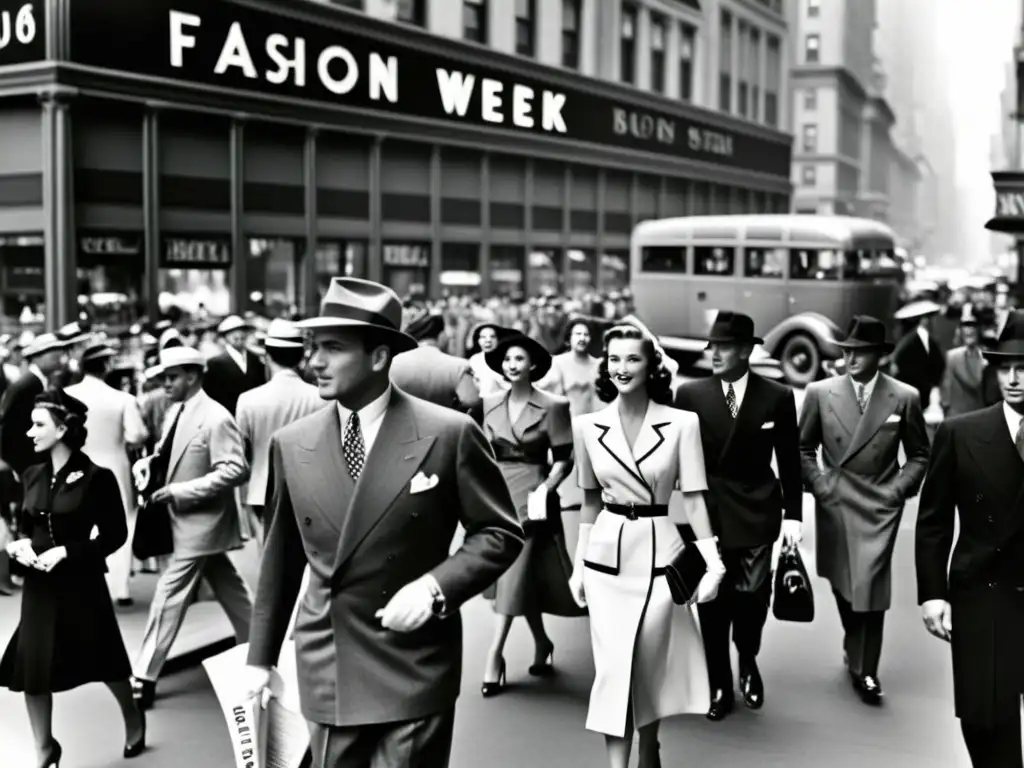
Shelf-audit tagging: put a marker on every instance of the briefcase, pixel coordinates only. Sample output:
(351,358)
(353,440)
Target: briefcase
(684,573)
(794,596)
(152,532)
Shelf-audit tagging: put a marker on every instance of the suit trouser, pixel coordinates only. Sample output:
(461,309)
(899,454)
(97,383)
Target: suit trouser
(176,591)
(425,743)
(742,605)
(995,746)
(863,637)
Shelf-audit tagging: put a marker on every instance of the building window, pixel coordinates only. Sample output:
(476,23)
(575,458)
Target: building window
(811,99)
(525,26)
(772,82)
(754,72)
(413,12)
(657,54)
(687,53)
(810,142)
(474,20)
(571,34)
(725,64)
(627,45)
(742,87)
(809,175)
(812,49)
(813,8)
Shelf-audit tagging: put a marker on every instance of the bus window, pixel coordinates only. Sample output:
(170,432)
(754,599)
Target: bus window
(764,262)
(663,258)
(711,260)
(809,264)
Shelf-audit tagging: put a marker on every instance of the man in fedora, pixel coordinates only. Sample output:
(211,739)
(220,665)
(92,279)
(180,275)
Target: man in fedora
(918,360)
(285,398)
(114,425)
(744,420)
(235,370)
(368,494)
(200,460)
(976,600)
(431,374)
(859,421)
(962,389)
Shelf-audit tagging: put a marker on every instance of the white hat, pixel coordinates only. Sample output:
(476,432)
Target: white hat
(232,323)
(45,342)
(917,309)
(73,334)
(283,334)
(167,335)
(176,357)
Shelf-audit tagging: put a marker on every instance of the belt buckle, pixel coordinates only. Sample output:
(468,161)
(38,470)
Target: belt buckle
(631,514)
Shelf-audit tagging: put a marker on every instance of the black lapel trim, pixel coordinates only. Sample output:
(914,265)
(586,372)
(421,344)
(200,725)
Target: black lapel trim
(661,439)
(600,439)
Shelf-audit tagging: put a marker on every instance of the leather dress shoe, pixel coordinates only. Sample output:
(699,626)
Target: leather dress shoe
(869,689)
(722,703)
(751,685)
(144,693)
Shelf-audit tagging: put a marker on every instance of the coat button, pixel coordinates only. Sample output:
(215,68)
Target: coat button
(384,592)
(390,558)
(979,497)
(308,521)
(415,514)
(991,519)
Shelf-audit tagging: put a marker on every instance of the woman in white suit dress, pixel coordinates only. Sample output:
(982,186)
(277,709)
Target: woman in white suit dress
(648,653)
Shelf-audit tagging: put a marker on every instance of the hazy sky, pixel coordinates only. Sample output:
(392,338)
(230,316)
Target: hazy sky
(981,35)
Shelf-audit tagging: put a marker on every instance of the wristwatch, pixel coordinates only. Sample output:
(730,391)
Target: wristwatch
(440,605)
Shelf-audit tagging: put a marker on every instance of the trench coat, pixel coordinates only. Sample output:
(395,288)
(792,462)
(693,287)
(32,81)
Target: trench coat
(860,492)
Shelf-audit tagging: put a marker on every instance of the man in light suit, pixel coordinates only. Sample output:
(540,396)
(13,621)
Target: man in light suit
(962,388)
(368,493)
(431,374)
(205,463)
(114,423)
(283,399)
(859,420)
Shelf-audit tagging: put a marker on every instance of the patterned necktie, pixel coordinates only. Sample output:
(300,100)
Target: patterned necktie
(730,400)
(861,399)
(353,447)
(1019,440)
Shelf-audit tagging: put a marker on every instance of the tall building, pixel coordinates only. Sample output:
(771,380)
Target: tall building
(491,147)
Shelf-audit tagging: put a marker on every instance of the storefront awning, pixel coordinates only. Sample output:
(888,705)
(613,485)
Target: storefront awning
(1007,224)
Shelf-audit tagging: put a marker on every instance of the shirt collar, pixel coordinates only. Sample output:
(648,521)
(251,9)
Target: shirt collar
(1013,419)
(369,413)
(922,333)
(190,404)
(868,388)
(238,357)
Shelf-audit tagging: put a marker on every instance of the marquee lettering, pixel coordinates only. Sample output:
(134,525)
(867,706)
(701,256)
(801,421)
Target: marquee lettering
(23,26)
(712,142)
(181,251)
(109,246)
(641,125)
(1010,204)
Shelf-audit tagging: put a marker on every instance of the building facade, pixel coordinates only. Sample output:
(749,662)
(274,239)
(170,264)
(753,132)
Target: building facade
(242,154)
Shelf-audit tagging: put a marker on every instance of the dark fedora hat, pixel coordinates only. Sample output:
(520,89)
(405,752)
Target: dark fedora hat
(98,352)
(428,326)
(866,333)
(363,305)
(1011,340)
(540,358)
(733,328)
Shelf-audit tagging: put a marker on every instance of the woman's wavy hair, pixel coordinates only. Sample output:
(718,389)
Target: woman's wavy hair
(75,432)
(659,378)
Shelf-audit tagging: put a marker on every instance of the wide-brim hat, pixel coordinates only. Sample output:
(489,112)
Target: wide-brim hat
(232,323)
(429,326)
(43,343)
(61,401)
(917,309)
(358,304)
(73,334)
(866,333)
(1011,341)
(177,357)
(540,358)
(98,352)
(284,334)
(732,328)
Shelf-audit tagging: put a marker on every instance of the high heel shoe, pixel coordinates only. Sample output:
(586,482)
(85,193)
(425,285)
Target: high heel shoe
(52,760)
(489,689)
(136,749)
(544,668)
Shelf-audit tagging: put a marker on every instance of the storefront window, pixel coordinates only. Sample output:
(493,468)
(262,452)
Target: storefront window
(339,258)
(407,269)
(272,275)
(545,272)
(506,266)
(21,282)
(194,274)
(111,270)
(460,269)
(582,273)
(614,270)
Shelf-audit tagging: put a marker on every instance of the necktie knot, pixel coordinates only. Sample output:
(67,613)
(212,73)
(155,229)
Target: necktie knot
(861,397)
(353,447)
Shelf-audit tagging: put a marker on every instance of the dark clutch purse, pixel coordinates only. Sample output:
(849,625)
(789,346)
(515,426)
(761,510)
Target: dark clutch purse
(684,573)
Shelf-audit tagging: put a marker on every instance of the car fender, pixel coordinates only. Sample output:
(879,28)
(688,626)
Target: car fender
(817,326)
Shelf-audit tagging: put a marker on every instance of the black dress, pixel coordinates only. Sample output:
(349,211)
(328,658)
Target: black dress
(68,635)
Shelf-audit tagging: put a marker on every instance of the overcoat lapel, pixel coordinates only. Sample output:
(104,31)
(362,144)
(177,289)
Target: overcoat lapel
(612,437)
(532,414)
(842,401)
(397,454)
(881,406)
(996,456)
(188,430)
(326,462)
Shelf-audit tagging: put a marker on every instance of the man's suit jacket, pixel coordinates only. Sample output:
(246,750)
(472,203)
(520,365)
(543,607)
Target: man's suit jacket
(861,490)
(963,383)
(363,544)
(225,381)
(437,377)
(16,448)
(745,498)
(922,369)
(261,412)
(207,462)
(975,472)
(114,421)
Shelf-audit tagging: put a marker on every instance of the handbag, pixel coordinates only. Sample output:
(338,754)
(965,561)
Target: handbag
(794,596)
(684,573)
(152,536)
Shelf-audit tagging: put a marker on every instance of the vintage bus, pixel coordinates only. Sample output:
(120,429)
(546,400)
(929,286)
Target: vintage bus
(800,277)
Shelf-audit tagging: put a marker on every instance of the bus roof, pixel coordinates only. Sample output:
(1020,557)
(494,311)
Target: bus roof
(774,226)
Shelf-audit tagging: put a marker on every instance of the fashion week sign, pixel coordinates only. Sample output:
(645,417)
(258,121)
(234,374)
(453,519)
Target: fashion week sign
(244,47)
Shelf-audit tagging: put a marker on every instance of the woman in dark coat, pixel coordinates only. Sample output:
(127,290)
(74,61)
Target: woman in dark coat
(68,635)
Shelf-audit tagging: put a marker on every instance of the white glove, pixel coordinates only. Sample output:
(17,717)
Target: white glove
(576,580)
(792,530)
(140,473)
(707,590)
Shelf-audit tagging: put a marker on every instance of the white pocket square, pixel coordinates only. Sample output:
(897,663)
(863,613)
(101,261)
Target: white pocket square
(421,483)
(768,425)
(894,419)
